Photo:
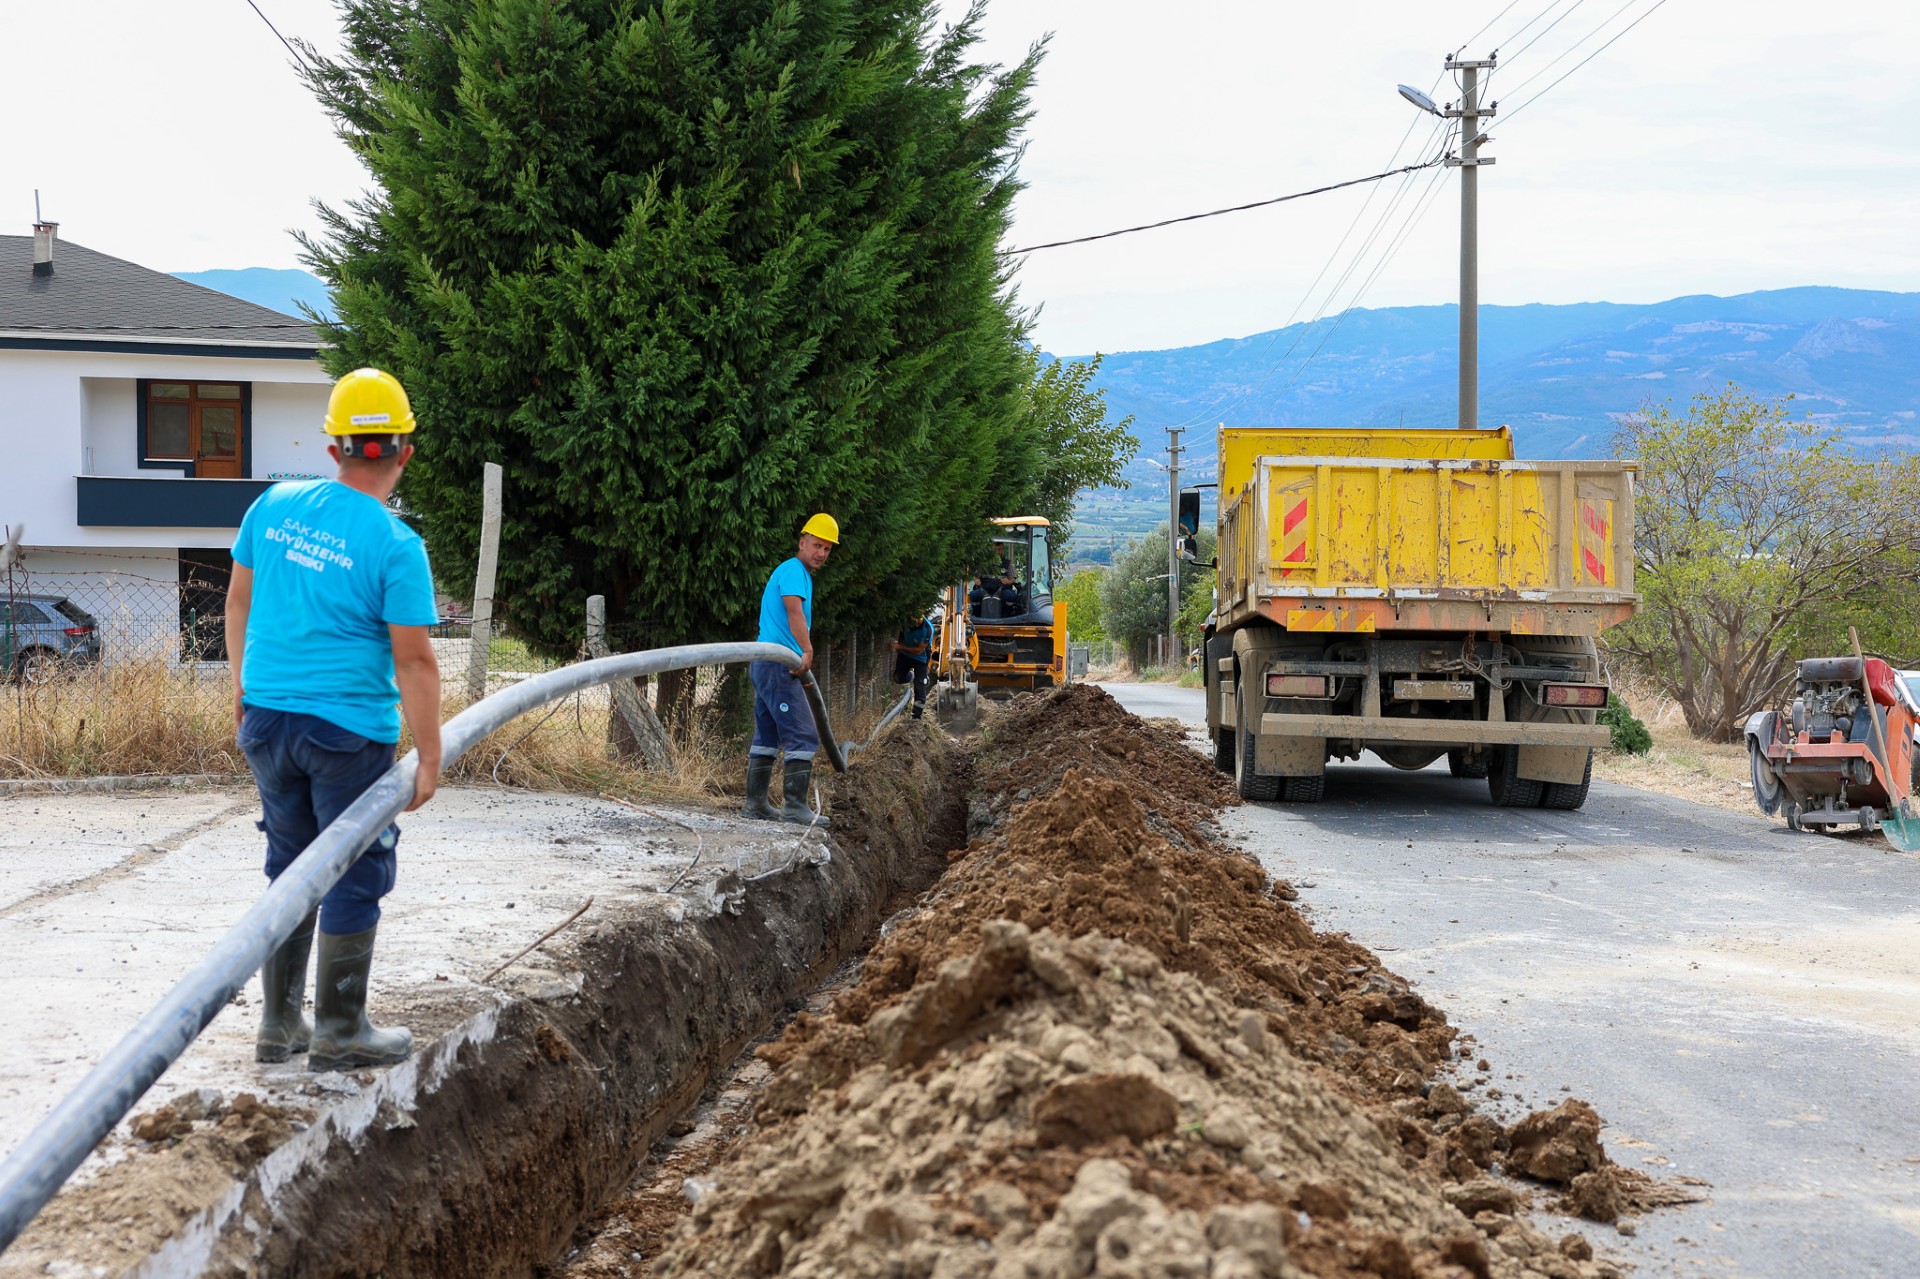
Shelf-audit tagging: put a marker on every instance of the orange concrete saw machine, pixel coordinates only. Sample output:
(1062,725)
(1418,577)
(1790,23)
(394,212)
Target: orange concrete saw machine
(1841,753)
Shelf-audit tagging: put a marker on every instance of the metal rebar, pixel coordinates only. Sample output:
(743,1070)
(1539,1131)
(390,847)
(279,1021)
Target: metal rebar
(36,1169)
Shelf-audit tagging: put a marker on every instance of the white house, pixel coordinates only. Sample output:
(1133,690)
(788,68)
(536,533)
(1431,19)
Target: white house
(140,416)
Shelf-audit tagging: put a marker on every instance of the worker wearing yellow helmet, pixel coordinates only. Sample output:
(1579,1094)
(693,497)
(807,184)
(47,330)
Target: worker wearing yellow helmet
(327,617)
(783,727)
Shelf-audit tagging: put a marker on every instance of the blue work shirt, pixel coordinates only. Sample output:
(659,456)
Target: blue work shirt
(919,633)
(791,578)
(332,569)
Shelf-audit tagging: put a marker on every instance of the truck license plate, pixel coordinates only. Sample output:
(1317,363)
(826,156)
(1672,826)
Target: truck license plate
(1433,690)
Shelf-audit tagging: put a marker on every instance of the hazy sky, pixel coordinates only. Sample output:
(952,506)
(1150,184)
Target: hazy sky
(1721,146)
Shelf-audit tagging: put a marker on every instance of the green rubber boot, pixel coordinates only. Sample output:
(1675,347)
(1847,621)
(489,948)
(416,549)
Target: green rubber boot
(343,1038)
(759,781)
(796,779)
(284,1029)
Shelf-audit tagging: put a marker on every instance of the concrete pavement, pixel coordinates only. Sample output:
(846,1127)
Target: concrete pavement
(1737,1001)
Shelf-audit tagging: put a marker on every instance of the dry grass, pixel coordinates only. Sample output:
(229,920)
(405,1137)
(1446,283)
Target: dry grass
(128,719)
(152,719)
(1679,764)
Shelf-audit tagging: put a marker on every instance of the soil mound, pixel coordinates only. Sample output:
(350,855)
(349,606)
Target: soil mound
(1106,1045)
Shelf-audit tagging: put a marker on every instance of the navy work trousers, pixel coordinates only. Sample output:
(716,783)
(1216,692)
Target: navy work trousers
(782,718)
(309,771)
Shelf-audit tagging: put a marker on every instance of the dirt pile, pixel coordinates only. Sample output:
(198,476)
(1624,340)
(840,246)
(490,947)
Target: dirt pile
(1105,1045)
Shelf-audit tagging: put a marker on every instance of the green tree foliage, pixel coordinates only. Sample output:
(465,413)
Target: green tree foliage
(1628,732)
(1081,594)
(1133,598)
(1751,530)
(1080,448)
(689,270)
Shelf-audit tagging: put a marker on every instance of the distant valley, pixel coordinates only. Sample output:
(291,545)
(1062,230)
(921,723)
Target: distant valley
(1560,376)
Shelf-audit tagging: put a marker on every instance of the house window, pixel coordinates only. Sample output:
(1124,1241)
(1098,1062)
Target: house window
(197,427)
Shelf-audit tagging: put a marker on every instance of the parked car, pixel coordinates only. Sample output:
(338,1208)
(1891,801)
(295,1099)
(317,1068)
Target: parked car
(1908,685)
(42,634)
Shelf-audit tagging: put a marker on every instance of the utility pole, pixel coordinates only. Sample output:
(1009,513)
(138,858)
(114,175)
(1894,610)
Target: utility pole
(1173,531)
(1468,162)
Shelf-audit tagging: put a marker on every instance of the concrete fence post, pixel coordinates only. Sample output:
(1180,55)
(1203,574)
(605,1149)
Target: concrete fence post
(481,645)
(648,733)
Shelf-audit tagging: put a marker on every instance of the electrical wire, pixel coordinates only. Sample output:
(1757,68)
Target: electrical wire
(1214,213)
(1569,50)
(1544,30)
(1584,61)
(1551,6)
(276,33)
(1483,29)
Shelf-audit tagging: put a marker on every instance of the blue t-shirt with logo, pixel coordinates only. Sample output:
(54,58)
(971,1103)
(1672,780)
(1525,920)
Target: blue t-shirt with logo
(332,569)
(791,578)
(920,632)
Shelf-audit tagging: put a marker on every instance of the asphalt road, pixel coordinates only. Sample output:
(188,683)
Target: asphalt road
(1740,1003)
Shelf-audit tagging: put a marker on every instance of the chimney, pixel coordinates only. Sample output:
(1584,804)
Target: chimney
(43,233)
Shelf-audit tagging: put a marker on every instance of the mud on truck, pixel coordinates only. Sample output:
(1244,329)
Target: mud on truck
(1415,593)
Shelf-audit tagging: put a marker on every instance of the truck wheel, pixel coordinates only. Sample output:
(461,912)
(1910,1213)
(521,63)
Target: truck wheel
(1465,764)
(1252,785)
(1223,750)
(1505,785)
(1568,796)
(1304,790)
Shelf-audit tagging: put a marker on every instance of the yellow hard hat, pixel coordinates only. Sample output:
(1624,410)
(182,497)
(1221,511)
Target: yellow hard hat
(369,402)
(824,527)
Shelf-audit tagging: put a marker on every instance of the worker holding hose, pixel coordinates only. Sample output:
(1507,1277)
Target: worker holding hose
(327,618)
(783,727)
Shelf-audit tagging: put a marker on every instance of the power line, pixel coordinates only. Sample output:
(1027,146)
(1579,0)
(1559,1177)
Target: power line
(276,32)
(1544,30)
(1551,6)
(1214,213)
(1570,49)
(1483,30)
(1584,61)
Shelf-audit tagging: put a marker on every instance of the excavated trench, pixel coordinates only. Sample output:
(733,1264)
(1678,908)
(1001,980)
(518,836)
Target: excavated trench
(1034,1018)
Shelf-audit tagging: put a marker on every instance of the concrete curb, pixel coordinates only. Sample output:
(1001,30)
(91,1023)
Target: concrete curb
(102,785)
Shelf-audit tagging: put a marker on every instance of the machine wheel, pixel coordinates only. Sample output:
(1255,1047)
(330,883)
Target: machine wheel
(1793,817)
(1505,785)
(1766,782)
(1251,785)
(37,666)
(1462,764)
(1568,796)
(1223,750)
(1304,790)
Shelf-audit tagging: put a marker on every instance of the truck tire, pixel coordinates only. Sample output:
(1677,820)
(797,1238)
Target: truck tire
(1505,785)
(1304,790)
(1223,750)
(1463,764)
(1568,796)
(1251,785)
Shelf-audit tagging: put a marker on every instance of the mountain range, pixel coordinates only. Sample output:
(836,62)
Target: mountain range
(1560,375)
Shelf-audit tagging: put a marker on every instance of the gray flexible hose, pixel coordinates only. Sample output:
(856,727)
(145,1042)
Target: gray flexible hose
(36,1169)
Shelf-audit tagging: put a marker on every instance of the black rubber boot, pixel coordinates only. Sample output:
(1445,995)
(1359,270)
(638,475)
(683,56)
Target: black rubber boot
(343,1038)
(284,1029)
(796,780)
(759,780)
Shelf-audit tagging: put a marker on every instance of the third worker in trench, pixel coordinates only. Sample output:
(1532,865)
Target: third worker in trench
(783,727)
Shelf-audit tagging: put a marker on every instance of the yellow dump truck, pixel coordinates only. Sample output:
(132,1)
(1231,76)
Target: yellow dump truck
(1416,593)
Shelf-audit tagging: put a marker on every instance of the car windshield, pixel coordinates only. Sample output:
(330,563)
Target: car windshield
(1912,685)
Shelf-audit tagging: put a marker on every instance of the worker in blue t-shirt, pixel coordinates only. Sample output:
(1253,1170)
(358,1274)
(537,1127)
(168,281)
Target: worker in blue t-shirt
(327,619)
(910,653)
(783,726)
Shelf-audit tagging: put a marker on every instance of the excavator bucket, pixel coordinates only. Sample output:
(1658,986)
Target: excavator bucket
(957,708)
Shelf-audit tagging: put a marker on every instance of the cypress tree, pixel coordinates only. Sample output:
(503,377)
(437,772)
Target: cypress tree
(689,270)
